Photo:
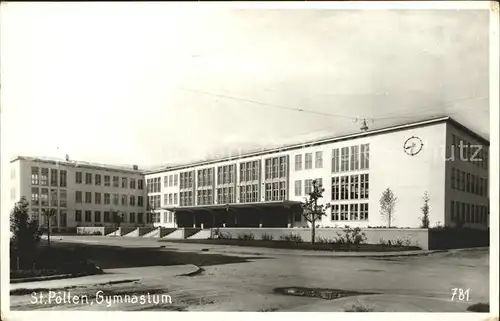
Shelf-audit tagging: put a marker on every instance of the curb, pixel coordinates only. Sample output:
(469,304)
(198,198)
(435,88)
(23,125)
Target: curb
(50,277)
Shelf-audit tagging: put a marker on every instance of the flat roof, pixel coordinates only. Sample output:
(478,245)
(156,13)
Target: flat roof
(81,164)
(433,121)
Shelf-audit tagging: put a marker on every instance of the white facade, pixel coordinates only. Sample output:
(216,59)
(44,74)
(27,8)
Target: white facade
(373,161)
(81,199)
(387,166)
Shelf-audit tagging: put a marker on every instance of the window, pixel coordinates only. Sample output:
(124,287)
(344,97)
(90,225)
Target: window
(176,178)
(115,199)
(98,179)
(364,186)
(463,181)
(53,197)
(78,215)
(44,197)
(308,161)
(473,184)
(298,162)
(363,211)
(140,201)
(63,177)
(335,212)
(116,181)
(79,177)
(88,216)
(64,218)
(308,187)
(35,177)
(298,188)
(165,181)
(107,217)
(319,159)
(344,187)
(335,188)
(88,178)
(140,184)
(140,218)
(344,212)
(344,160)
(132,217)
(63,198)
(107,181)
(170,180)
(124,182)
(365,156)
(354,158)
(97,216)
(453,178)
(175,198)
(467,186)
(124,199)
(78,197)
(53,177)
(132,200)
(107,199)
(453,211)
(132,183)
(88,197)
(35,197)
(170,198)
(335,161)
(97,198)
(353,212)
(44,178)
(354,187)
(481,187)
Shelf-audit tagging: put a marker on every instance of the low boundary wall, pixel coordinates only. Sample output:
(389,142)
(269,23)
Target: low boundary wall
(93,230)
(426,239)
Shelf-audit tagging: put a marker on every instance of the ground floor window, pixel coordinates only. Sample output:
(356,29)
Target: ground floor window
(349,212)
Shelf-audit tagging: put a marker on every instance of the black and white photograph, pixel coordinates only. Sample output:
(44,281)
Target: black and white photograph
(249,157)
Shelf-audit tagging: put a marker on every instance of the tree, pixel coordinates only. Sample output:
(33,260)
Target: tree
(425,212)
(49,213)
(387,206)
(311,210)
(117,220)
(25,235)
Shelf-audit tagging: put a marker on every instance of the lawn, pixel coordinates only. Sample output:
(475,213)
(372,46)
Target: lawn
(302,245)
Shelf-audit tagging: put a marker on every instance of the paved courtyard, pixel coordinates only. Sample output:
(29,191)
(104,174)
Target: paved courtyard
(410,284)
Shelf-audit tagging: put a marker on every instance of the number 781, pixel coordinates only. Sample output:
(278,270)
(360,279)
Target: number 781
(460,294)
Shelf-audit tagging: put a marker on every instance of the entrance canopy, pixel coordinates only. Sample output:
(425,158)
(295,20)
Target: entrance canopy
(233,206)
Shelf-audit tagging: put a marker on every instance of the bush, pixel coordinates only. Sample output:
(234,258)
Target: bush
(246,236)
(351,236)
(225,236)
(358,307)
(267,237)
(292,238)
(324,240)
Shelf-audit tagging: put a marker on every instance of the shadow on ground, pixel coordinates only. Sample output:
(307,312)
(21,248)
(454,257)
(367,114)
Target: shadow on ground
(112,257)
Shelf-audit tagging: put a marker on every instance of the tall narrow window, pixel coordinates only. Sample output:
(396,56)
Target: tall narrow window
(298,162)
(453,178)
(363,211)
(35,176)
(344,165)
(319,159)
(344,187)
(335,161)
(53,177)
(63,178)
(354,158)
(353,212)
(308,161)
(335,212)
(335,188)
(354,187)
(365,156)
(298,188)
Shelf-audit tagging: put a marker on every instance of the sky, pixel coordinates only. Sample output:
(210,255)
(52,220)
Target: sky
(155,84)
